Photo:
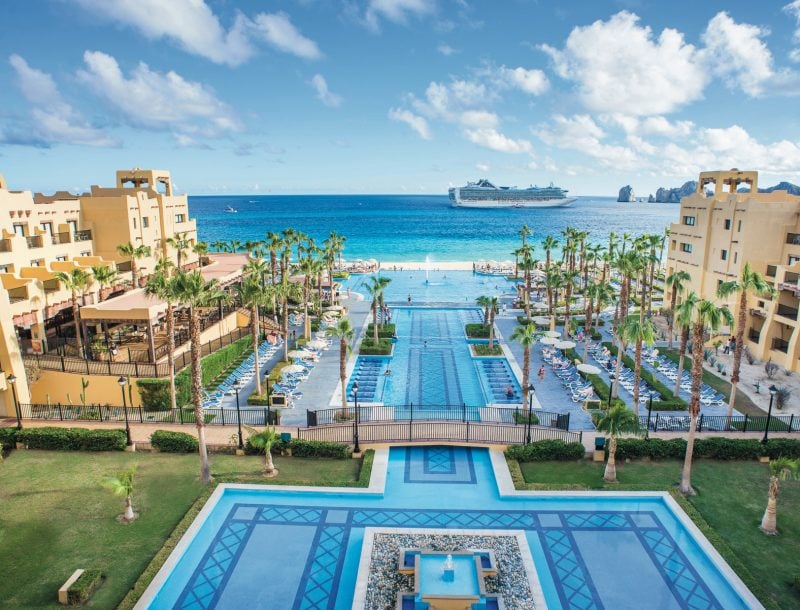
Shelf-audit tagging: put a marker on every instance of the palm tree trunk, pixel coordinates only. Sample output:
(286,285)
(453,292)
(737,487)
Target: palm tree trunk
(610,473)
(128,514)
(769,523)
(526,376)
(286,328)
(134,273)
(173,399)
(681,358)
(528,293)
(254,329)
(694,408)
(673,302)
(589,321)
(273,263)
(342,370)
(375,321)
(76,320)
(269,465)
(737,354)
(568,297)
(197,395)
(637,375)
(491,329)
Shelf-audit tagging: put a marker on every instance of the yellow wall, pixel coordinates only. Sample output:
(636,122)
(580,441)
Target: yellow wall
(53,386)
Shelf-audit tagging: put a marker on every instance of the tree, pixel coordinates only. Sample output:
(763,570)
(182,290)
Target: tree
(707,316)
(134,253)
(525,335)
(76,281)
(194,292)
(676,281)
(528,265)
(483,302)
(273,243)
(286,291)
(638,330)
(553,282)
(616,422)
(264,440)
(344,332)
(122,485)
(252,294)
(162,286)
(105,276)
(569,278)
(375,289)
(597,294)
(180,243)
(749,282)
(780,469)
(494,307)
(627,266)
(683,316)
(201,250)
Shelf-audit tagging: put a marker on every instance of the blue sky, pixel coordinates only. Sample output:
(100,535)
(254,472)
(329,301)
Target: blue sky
(397,96)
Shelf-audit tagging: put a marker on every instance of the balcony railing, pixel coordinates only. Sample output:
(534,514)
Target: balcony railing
(760,313)
(790,287)
(780,345)
(61,238)
(85,235)
(787,312)
(754,335)
(5,245)
(793,239)
(34,241)
(791,277)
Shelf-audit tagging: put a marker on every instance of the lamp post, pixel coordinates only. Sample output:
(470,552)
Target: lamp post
(12,379)
(123,381)
(772,391)
(239,414)
(356,447)
(530,414)
(649,410)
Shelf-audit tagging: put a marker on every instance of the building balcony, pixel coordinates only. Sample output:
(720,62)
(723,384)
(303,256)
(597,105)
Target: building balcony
(61,238)
(793,239)
(34,241)
(787,312)
(85,235)
(5,245)
(759,313)
(779,345)
(793,288)
(754,335)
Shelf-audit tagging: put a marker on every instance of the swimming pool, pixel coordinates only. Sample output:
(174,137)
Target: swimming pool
(287,548)
(432,364)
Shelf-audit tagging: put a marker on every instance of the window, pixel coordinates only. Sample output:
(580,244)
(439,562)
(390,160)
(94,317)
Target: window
(735,257)
(134,223)
(793,260)
(3,268)
(35,263)
(47,227)
(688,221)
(179,218)
(727,224)
(145,222)
(73,226)
(686,247)
(19,229)
(724,255)
(739,229)
(674,244)
(61,258)
(87,253)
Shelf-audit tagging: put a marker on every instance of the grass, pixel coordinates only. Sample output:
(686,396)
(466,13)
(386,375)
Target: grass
(743,404)
(731,497)
(56,516)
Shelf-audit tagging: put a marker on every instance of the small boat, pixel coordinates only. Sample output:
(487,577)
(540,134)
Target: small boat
(231,210)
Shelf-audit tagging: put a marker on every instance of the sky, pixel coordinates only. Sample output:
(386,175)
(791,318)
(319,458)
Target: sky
(397,96)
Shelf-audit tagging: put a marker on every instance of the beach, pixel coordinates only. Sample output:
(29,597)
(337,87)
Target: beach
(429,265)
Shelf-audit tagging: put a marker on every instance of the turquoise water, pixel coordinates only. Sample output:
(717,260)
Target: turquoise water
(287,549)
(465,581)
(409,228)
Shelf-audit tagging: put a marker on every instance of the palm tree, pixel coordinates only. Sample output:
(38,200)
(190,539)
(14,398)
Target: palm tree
(653,242)
(375,289)
(286,291)
(483,302)
(494,307)
(553,282)
(344,332)
(549,244)
(568,278)
(617,421)
(307,268)
(161,285)
(252,295)
(707,316)
(675,281)
(76,281)
(597,294)
(194,292)
(134,253)
(273,243)
(264,440)
(638,330)
(749,282)
(201,250)
(524,232)
(105,276)
(528,265)
(627,266)
(180,243)
(122,485)
(525,335)
(683,316)
(780,469)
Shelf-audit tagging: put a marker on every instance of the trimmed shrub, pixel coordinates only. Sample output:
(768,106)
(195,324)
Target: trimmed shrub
(477,331)
(654,448)
(167,441)
(781,447)
(383,348)
(547,450)
(154,394)
(213,366)
(303,448)
(366,468)
(482,349)
(81,590)
(8,437)
(522,418)
(72,439)
(384,332)
(714,448)
(718,448)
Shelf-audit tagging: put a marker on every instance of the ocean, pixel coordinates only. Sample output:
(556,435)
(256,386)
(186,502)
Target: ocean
(411,228)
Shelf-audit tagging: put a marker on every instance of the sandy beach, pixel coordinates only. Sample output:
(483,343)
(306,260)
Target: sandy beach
(432,265)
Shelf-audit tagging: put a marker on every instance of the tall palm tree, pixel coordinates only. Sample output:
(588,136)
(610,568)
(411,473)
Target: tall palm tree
(344,332)
(104,276)
(253,294)
(525,335)
(638,330)
(494,307)
(598,294)
(617,421)
(627,265)
(553,281)
(654,240)
(549,244)
(134,253)
(194,292)
(284,292)
(664,238)
(483,302)
(122,485)
(76,281)
(749,282)
(181,244)
(162,285)
(264,440)
(676,282)
(528,265)
(375,289)
(683,316)
(780,469)
(524,232)
(218,245)
(274,242)
(307,268)
(201,250)
(569,278)
(707,316)
(337,246)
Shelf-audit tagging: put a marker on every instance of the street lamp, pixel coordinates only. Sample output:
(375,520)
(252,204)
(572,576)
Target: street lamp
(649,410)
(356,447)
(123,381)
(772,391)
(236,387)
(12,379)
(530,413)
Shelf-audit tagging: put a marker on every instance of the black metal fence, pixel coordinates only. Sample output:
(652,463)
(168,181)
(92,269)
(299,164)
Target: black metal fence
(431,431)
(110,413)
(666,422)
(462,413)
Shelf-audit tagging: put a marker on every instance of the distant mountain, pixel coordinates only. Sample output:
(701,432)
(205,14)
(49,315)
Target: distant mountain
(673,195)
(626,194)
(792,189)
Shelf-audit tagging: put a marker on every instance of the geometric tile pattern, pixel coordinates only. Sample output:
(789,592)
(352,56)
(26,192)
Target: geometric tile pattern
(575,588)
(439,460)
(590,520)
(322,571)
(438,465)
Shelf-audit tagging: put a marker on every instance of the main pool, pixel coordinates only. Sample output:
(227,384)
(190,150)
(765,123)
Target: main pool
(259,547)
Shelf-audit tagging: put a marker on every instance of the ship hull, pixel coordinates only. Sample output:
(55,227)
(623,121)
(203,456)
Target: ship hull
(457,202)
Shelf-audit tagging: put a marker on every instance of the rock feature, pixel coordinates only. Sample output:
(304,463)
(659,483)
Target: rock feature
(626,194)
(674,195)
(651,199)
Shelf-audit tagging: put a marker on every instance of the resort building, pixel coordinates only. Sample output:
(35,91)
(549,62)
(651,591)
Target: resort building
(43,234)
(728,223)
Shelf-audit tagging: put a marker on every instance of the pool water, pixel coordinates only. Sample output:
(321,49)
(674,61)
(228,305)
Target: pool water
(432,364)
(300,548)
(432,582)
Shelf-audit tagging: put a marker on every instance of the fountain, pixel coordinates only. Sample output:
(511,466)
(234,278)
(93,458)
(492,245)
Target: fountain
(427,266)
(448,569)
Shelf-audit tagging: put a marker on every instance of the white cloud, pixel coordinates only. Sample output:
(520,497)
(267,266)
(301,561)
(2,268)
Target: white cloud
(397,11)
(446,50)
(530,81)
(416,122)
(479,119)
(581,133)
(618,66)
(483,167)
(494,140)
(325,95)
(793,9)
(52,120)
(157,100)
(279,32)
(650,126)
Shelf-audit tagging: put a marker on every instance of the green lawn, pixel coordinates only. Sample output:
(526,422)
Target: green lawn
(55,516)
(731,498)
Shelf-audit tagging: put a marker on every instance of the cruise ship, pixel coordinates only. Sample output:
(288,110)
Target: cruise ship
(484,194)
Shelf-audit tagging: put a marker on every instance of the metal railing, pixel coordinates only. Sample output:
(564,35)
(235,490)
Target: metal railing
(34,241)
(61,238)
(455,413)
(430,431)
(85,235)
(666,422)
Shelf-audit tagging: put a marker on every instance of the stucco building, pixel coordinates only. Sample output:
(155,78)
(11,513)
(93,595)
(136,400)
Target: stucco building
(721,227)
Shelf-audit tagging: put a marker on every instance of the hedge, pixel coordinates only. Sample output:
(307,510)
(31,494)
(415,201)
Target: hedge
(547,450)
(384,347)
(72,439)
(154,394)
(81,590)
(477,331)
(167,441)
(303,448)
(482,349)
(715,448)
(366,468)
(386,331)
(8,437)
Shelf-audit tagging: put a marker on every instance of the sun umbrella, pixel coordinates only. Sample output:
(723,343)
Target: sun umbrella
(552,333)
(334,308)
(565,344)
(541,320)
(589,369)
(549,340)
(292,368)
(298,353)
(317,343)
